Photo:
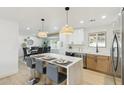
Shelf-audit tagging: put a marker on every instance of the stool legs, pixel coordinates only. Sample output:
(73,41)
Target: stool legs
(33,80)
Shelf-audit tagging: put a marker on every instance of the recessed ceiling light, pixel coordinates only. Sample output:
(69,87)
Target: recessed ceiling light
(82,22)
(103,17)
(119,14)
(28,28)
(55,28)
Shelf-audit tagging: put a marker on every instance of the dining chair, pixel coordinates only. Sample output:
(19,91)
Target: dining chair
(54,75)
(48,49)
(25,53)
(40,67)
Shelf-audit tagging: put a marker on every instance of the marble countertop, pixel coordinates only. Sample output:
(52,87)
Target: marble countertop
(104,53)
(73,60)
(74,51)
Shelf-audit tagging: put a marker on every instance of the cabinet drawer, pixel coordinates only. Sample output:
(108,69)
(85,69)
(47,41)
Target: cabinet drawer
(103,57)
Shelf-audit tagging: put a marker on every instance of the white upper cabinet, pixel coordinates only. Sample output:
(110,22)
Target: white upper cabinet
(77,37)
(63,43)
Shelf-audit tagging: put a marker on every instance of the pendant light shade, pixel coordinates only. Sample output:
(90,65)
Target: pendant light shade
(42,34)
(67,30)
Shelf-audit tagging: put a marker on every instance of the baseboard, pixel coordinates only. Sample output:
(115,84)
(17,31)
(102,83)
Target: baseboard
(8,74)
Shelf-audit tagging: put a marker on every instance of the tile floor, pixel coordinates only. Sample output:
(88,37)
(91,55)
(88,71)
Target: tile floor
(88,77)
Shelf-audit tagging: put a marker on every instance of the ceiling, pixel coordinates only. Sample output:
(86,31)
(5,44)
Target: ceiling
(55,17)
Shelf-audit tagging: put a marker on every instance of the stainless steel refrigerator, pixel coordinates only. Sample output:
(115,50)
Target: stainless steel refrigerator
(116,58)
(123,46)
(117,51)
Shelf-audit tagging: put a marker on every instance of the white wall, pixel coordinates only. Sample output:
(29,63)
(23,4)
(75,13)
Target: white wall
(8,48)
(37,42)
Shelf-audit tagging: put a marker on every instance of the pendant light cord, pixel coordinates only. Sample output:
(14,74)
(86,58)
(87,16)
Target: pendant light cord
(66,17)
(42,26)
(42,29)
(66,9)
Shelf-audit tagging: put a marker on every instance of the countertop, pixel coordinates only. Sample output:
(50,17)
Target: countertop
(59,56)
(104,53)
(99,53)
(74,51)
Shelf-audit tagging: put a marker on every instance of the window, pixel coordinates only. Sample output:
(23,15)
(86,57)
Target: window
(101,39)
(97,39)
(54,44)
(92,40)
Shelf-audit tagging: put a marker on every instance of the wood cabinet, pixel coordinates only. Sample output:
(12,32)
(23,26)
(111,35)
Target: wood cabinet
(91,62)
(103,64)
(99,63)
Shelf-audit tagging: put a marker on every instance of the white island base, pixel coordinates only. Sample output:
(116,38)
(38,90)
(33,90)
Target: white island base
(74,74)
(74,69)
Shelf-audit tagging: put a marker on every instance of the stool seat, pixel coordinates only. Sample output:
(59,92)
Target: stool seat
(40,67)
(54,75)
(32,65)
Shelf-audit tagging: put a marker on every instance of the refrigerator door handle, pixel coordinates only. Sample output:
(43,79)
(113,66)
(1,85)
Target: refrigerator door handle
(115,64)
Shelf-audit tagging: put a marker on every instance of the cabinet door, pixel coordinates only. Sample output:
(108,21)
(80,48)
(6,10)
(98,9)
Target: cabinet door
(77,37)
(103,64)
(91,62)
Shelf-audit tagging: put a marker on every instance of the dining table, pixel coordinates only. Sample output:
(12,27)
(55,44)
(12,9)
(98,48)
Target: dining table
(73,65)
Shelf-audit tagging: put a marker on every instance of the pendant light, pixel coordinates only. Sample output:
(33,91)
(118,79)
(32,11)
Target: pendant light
(67,30)
(42,34)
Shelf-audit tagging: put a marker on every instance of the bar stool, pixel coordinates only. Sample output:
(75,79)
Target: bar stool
(54,75)
(31,64)
(40,67)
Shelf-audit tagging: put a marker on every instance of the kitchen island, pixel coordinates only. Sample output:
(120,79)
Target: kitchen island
(73,66)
